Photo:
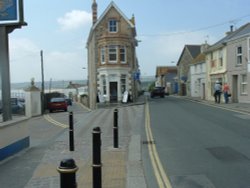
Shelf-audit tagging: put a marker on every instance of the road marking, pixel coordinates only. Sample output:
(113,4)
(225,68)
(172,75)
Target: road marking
(84,107)
(161,177)
(54,122)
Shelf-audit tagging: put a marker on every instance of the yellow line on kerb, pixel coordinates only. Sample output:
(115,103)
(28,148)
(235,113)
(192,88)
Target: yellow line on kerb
(161,177)
(54,122)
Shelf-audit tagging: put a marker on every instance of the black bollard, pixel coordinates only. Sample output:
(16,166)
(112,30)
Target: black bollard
(71,132)
(115,128)
(97,164)
(67,170)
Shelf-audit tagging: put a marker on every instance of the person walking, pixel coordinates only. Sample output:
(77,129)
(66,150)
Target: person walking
(226,92)
(217,91)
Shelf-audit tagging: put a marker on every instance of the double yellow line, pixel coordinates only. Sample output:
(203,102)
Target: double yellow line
(161,177)
(54,122)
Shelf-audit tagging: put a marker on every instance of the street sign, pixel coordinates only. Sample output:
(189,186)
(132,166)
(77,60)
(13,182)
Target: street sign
(11,12)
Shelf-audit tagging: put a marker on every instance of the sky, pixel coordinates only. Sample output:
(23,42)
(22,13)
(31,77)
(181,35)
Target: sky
(60,29)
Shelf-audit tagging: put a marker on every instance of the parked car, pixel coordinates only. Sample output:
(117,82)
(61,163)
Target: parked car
(58,103)
(158,92)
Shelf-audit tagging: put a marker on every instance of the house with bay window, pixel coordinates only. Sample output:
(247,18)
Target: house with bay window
(112,63)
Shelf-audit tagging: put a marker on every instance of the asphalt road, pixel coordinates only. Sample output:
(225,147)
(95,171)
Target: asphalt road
(199,145)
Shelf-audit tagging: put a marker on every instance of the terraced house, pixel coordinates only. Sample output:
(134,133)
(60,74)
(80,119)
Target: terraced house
(228,60)
(112,62)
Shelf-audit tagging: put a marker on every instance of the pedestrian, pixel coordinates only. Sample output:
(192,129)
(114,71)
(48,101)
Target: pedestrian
(226,92)
(217,91)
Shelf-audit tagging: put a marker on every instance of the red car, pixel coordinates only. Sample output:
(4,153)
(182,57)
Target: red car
(58,104)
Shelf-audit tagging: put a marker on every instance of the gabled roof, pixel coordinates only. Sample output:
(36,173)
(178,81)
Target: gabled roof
(242,31)
(199,59)
(194,51)
(111,5)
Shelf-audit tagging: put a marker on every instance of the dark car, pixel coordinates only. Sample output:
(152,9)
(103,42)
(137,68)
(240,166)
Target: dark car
(158,92)
(57,104)
(69,101)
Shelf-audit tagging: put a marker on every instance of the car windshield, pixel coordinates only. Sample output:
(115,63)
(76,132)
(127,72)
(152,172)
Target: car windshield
(57,100)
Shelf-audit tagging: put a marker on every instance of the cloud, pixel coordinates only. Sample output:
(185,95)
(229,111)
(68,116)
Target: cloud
(64,65)
(74,19)
(165,49)
(24,60)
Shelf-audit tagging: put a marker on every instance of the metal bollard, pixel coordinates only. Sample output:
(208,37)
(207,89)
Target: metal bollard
(97,164)
(71,132)
(115,128)
(67,170)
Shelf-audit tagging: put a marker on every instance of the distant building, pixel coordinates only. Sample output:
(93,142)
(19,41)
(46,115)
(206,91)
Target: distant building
(189,53)
(112,63)
(166,76)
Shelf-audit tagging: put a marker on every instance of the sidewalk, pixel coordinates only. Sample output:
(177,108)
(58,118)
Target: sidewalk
(241,107)
(121,167)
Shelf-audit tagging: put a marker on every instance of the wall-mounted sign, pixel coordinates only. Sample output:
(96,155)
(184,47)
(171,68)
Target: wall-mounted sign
(11,12)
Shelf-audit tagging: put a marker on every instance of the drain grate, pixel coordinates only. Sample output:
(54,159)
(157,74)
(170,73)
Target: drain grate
(227,154)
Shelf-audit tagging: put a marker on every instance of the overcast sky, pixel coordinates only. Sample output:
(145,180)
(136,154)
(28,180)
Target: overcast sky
(60,28)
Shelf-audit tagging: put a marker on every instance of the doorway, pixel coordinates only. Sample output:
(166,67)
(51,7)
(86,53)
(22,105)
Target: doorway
(234,88)
(113,91)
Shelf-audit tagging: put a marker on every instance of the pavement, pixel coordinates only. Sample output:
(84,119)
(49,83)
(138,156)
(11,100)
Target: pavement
(121,167)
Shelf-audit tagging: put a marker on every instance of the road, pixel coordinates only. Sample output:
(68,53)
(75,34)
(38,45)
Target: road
(197,145)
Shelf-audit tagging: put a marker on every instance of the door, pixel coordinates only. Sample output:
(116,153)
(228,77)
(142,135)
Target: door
(113,91)
(234,88)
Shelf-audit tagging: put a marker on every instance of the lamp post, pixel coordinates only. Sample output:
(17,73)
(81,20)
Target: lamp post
(42,72)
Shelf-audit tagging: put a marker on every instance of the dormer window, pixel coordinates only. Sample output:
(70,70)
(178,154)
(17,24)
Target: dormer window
(113,26)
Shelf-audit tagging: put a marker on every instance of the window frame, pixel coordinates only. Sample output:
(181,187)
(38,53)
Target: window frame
(104,84)
(123,83)
(248,57)
(239,55)
(221,58)
(113,25)
(103,55)
(244,84)
(114,53)
(123,55)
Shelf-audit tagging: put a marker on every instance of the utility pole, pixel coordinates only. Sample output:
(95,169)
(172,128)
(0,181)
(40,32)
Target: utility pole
(42,92)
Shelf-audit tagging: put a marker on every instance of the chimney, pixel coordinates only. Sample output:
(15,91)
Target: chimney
(231,30)
(94,12)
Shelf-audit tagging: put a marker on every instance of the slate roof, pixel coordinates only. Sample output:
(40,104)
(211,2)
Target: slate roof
(242,31)
(194,51)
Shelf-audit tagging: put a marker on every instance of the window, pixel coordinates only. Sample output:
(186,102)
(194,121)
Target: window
(244,84)
(102,55)
(221,58)
(239,55)
(112,54)
(104,85)
(248,49)
(113,26)
(123,83)
(123,54)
